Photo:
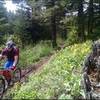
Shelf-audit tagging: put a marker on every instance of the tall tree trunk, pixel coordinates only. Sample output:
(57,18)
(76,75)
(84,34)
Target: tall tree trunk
(53,25)
(81,35)
(99,7)
(64,34)
(90,17)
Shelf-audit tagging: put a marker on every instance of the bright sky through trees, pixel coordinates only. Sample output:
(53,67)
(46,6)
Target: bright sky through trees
(10,6)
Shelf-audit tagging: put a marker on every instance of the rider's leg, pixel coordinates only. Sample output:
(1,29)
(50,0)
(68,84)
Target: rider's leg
(8,65)
(9,74)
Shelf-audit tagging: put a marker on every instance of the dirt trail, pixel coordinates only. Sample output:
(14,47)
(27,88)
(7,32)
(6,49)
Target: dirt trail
(34,68)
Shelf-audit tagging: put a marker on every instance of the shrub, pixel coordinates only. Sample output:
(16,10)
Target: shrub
(31,54)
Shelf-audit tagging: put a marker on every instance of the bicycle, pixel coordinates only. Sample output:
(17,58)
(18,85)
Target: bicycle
(6,76)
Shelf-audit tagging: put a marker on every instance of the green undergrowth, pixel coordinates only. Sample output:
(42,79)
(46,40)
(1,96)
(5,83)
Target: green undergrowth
(29,55)
(56,79)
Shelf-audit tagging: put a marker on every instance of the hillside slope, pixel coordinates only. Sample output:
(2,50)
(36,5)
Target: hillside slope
(59,78)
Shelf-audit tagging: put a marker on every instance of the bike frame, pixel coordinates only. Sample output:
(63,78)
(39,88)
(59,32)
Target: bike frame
(7,73)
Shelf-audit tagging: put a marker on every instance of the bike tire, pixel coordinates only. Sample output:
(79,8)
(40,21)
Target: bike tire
(2,86)
(17,75)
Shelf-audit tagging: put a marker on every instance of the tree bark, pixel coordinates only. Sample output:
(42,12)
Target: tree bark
(99,7)
(81,35)
(90,17)
(53,26)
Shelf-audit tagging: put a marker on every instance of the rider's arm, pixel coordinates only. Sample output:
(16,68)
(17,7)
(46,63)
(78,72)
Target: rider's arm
(3,54)
(16,57)
(15,60)
(0,57)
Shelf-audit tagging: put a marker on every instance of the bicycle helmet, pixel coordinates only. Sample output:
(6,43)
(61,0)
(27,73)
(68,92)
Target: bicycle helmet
(10,44)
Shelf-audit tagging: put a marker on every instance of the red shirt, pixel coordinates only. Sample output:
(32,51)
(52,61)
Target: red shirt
(10,54)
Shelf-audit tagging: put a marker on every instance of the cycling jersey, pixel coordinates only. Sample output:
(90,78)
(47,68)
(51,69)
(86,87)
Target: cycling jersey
(10,57)
(10,54)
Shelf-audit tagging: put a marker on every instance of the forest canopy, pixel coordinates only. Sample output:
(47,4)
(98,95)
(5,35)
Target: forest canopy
(35,20)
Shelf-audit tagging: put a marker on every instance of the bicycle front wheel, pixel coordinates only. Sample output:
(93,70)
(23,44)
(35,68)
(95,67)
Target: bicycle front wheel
(2,86)
(17,75)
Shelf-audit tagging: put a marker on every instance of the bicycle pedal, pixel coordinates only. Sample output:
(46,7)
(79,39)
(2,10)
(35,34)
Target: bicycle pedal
(6,85)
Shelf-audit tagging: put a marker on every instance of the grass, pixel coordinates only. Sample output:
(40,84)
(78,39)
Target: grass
(57,79)
(29,55)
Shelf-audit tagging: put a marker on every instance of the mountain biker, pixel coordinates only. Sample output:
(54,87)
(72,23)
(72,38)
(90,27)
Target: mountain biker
(11,53)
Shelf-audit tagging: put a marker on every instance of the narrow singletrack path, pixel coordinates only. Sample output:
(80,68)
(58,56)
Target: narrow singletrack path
(34,68)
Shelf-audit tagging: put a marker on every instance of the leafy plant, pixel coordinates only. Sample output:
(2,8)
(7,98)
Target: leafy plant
(31,54)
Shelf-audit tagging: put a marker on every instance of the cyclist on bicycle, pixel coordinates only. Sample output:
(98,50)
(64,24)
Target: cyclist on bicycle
(11,53)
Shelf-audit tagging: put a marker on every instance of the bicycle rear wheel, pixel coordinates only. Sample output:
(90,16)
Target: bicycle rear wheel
(2,86)
(17,75)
